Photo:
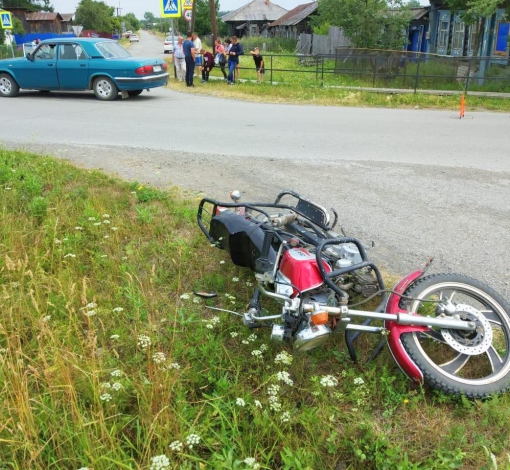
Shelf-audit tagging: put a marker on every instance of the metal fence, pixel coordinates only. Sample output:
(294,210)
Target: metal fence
(399,70)
(6,51)
(421,71)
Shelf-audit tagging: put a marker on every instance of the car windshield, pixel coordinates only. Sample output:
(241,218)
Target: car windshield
(112,50)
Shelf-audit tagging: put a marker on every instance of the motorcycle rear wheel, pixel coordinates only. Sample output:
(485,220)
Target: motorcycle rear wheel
(475,364)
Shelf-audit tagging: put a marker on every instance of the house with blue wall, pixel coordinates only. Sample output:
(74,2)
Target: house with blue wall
(449,35)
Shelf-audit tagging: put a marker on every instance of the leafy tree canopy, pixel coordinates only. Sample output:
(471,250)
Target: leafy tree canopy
(97,16)
(367,23)
(33,5)
(473,10)
(132,23)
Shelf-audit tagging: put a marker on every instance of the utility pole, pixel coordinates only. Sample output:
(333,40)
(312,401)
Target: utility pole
(194,13)
(214,27)
(119,9)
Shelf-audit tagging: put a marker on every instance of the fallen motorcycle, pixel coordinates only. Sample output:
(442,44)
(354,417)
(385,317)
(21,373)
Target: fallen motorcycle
(446,330)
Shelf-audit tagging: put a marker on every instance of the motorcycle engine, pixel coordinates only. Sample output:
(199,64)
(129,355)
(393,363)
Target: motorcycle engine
(361,281)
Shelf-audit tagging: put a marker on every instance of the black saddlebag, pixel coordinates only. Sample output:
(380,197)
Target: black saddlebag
(241,238)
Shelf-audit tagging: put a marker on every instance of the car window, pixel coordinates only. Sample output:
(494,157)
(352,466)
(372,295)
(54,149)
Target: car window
(45,52)
(71,52)
(111,50)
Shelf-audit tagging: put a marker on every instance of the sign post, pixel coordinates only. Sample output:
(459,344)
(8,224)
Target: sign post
(5,19)
(6,23)
(170,8)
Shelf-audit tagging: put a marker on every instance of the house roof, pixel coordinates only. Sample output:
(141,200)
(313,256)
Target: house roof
(419,13)
(67,16)
(256,10)
(295,15)
(43,16)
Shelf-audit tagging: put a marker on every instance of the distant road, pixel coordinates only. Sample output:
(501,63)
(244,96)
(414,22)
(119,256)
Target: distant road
(418,182)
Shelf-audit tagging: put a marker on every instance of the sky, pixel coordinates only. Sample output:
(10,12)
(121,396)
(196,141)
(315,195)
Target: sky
(139,7)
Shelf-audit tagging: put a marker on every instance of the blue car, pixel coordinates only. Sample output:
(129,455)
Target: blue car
(101,65)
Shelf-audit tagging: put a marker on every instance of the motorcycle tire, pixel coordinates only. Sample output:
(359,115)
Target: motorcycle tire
(471,363)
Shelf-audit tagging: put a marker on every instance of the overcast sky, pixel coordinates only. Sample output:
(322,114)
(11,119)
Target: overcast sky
(139,7)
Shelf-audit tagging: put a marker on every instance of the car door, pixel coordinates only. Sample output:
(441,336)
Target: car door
(40,72)
(72,67)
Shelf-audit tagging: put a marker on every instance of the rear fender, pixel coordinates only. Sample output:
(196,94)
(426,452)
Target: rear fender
(398,352)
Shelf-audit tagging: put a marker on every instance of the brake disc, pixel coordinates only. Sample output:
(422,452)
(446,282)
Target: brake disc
(474,342)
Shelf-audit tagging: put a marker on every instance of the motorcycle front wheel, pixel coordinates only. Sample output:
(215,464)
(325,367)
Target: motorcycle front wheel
(471,363)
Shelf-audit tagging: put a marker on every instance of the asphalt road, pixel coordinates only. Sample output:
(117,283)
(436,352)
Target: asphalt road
(419,183)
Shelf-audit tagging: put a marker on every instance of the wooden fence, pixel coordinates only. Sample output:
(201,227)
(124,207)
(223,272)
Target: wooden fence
(317,44)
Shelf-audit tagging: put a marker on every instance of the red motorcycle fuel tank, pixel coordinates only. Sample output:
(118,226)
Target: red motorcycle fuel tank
(300,268)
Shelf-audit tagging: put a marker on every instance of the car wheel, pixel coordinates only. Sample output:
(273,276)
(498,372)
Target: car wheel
(8,86)
(134,93)
(105,89)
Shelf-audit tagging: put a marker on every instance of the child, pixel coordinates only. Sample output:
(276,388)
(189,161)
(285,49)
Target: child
(259,64)
(208,64)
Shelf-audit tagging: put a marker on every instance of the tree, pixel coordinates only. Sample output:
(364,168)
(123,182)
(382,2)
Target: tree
(17,28)
(203,17)
(367,23)
(33,5)
(476,12)
(96,15)
(132,23)
(414,4)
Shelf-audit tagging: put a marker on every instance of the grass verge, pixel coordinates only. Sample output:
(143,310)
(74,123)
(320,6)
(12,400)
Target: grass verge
(107,360)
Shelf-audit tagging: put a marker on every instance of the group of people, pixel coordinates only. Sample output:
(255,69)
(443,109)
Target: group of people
(189,54)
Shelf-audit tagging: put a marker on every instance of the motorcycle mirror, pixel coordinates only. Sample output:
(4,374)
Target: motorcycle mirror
(235,195)
(205,295)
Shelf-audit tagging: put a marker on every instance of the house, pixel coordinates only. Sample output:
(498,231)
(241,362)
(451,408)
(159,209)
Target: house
(39,22)
(67,22)
(419,29)
(450,36)
(44,22)
(294,22)
(253,18)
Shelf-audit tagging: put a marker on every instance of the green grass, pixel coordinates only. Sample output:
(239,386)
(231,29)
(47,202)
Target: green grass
(106,360)
(297,83)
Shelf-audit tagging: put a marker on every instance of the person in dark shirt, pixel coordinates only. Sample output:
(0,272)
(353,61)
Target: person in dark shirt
(235,51)
(189,57)
(259,64)
(207,64)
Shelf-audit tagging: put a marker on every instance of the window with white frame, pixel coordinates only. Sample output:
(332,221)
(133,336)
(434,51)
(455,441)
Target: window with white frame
(444,27)
(458,35)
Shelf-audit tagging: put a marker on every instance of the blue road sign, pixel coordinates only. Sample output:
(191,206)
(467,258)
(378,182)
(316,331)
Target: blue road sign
(170,8)
(5,20)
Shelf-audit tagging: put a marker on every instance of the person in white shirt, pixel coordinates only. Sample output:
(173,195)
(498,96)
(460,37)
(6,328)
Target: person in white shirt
(179,60)
(198,57)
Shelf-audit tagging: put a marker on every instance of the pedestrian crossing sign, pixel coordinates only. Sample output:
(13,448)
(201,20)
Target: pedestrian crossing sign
(170,8)
(6,20)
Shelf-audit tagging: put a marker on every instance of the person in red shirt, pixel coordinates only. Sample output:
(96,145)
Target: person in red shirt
(207,64)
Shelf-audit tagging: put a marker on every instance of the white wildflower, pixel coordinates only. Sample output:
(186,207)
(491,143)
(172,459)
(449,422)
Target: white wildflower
(235,279)
(159,357)
(106,385)
(273,389)
(70,255)
(115,229)
(116,386)
(257,404)
(285,417)
(209,326)
(252,337)
(176,446)
(57,241)
(240,402)
(116,373)
(283,358)
(105,397)
(90,305)
(118,309)
(215,320)
(143,341)
(329,381)
(91,219)
(90,313)
(106,236)
(249,284)
(160,462)
(185,296)
(256,353)
(46,319)
(174,365)
(192,439)
(106,222)
(222,262)
(106,216)
(97,223)
(114,337)
(251,462)
(245,342)
(284,377)
(275,406)
(234,334)
(78,228)
(197,300)
(263,347)
(358,381)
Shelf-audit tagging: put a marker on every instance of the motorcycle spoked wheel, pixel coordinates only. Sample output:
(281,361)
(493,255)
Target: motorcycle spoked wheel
(475,364)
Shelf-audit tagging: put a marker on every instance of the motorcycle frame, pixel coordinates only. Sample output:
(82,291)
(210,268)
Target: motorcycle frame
(397,321)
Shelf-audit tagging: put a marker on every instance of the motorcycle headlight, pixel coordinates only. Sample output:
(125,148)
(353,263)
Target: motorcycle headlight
(311,337)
